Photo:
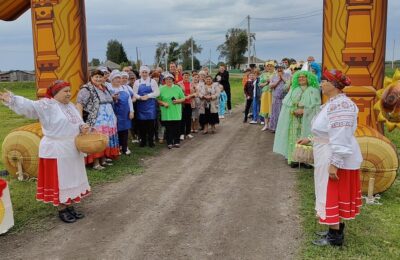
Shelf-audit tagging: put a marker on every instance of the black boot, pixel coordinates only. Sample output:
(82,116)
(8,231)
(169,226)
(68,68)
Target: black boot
(294,164)
(334,238)
(325,233)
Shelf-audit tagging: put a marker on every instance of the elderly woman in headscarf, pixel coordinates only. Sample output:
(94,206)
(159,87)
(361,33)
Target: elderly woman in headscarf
(299,106)
(62,178)
(146,91)
(266,96)
(95,102)
(337,159)
(123,108)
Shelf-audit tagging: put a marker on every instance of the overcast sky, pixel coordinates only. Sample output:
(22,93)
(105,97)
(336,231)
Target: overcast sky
(142,26)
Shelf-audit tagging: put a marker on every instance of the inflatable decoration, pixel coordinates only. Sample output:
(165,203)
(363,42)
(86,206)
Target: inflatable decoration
(388,105)
(6,212)
(354,41)
(20,151)
(380,159)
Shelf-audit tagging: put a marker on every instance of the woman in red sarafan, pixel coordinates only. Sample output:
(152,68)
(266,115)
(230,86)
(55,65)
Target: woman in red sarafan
(62,178)
(337,159)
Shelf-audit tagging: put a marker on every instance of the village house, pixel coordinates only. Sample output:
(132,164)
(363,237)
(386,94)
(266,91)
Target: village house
(17,76)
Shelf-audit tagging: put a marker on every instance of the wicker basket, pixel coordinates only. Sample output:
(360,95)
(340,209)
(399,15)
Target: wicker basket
(91,143)
(303,154)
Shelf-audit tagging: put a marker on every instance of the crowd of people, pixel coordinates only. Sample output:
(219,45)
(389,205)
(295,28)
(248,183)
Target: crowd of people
(286,99)
(172,106)
(153,105)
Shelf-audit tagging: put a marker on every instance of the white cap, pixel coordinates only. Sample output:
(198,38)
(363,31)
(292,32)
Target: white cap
(168,75)
(144,68)
(114,74)
(103,69)
(124,74)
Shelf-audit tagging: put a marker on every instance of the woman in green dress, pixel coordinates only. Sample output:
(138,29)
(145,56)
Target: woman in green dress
(299,107)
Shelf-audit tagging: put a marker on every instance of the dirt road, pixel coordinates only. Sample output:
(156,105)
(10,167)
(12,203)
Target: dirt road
(222,196)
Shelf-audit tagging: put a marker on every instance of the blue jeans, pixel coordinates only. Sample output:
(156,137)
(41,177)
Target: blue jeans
(256,109)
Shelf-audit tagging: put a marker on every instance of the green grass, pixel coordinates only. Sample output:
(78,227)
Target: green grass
(29,213)
(237,95)
(373,235)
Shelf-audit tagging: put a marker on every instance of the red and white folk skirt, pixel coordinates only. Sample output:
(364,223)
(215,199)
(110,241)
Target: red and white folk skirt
(58,185)
(343,197)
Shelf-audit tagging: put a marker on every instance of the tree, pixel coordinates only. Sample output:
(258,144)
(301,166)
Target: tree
(234,47)
(196,64)
(186,53)
(161,47)
(116,52)
(173,52)
(95,62)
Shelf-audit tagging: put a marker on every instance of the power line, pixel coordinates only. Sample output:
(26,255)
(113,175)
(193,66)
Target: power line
(288,18)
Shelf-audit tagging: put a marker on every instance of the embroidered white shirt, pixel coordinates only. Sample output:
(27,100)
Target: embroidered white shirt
(337,123)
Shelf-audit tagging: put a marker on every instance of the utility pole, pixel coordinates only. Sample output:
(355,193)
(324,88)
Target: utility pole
(248,41)
(137,58)
(192,53)
(166,59)
(394,45)
(210,61)
(254,52)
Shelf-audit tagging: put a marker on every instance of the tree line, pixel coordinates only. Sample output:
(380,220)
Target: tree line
(232,50)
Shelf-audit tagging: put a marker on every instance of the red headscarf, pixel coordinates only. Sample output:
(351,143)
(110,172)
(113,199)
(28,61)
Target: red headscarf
(3,185)
(337,78)
(56,87)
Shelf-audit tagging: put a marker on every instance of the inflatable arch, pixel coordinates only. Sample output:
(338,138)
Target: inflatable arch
(354,40)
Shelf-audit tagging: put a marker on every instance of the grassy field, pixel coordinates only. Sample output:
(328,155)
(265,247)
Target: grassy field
(28,212)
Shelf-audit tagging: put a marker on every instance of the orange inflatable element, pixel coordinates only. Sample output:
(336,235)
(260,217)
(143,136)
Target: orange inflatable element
(388,105)
(59,39)
(354,42)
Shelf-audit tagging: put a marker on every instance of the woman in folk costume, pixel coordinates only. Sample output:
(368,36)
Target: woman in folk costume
(337,159)
(95,102)
(279,85)
(123,108)
(6,212)
(299,106)
(146,91)
(62,178)
(266,96)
